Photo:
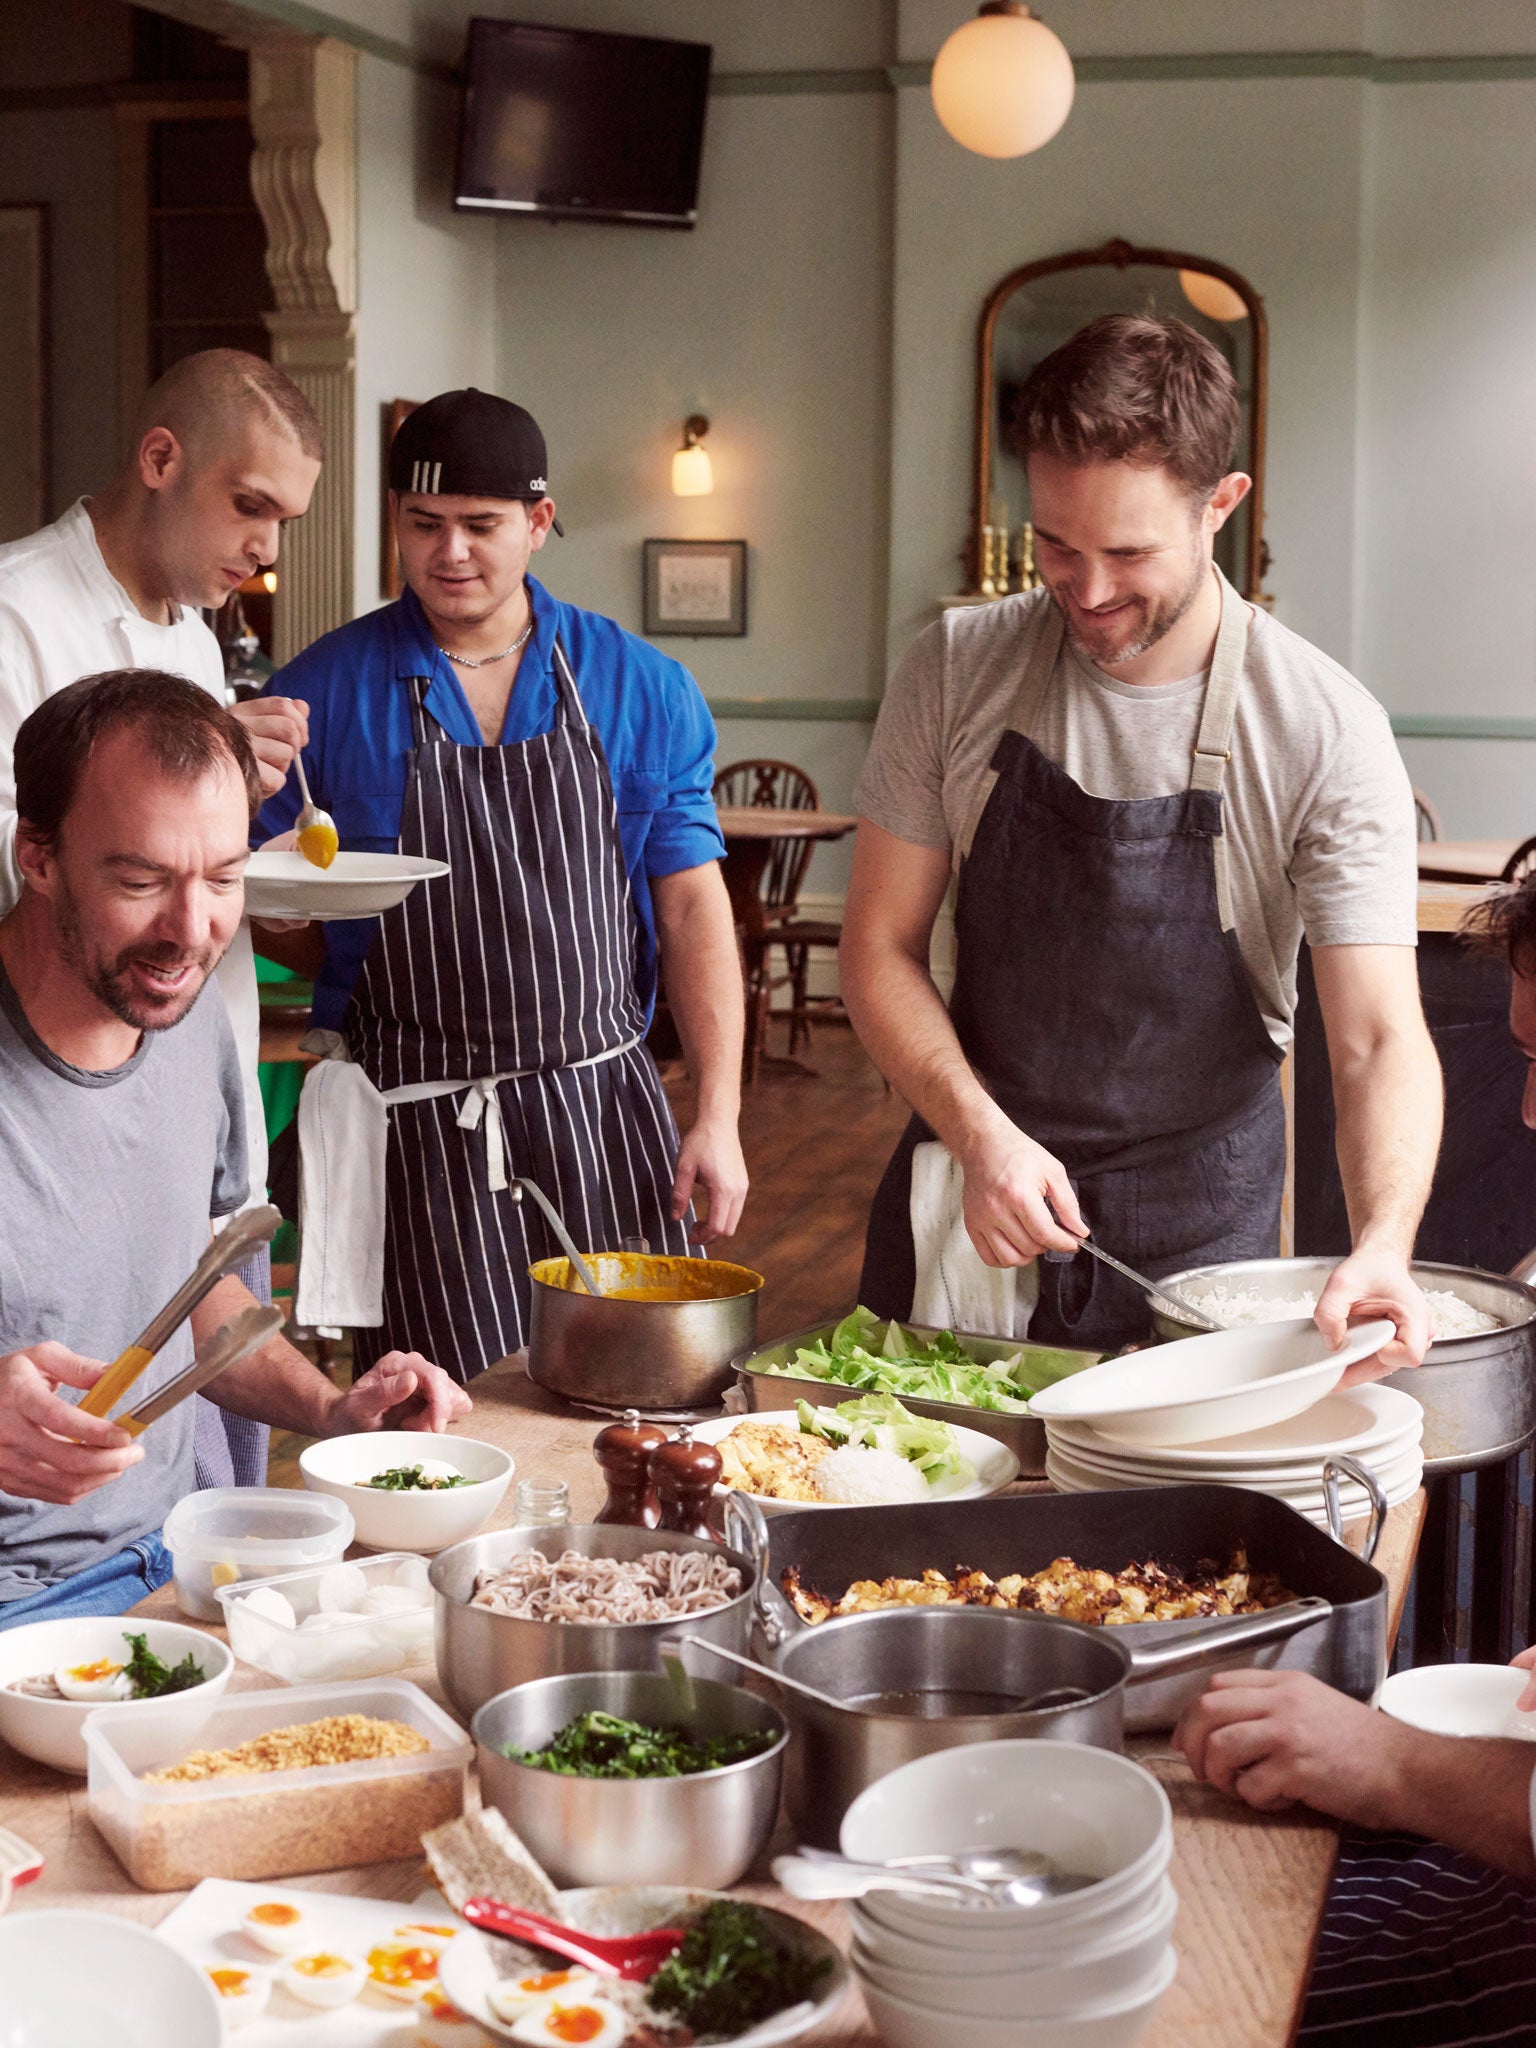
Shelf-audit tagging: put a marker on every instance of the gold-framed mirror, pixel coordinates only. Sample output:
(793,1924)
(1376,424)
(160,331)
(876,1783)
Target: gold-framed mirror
(1034,309)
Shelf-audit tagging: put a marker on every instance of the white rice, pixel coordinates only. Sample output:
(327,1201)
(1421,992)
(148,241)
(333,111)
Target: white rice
(1449,1315)
(859,1476)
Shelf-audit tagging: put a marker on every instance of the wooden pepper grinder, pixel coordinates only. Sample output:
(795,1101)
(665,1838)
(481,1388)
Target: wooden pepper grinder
(685,1475)
(623,1450)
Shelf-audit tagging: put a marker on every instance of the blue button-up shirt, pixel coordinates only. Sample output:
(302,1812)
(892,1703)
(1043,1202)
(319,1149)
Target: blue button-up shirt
(648,711)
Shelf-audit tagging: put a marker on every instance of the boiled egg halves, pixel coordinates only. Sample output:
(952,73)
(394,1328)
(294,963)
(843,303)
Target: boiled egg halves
(573,2023)
(99,1681)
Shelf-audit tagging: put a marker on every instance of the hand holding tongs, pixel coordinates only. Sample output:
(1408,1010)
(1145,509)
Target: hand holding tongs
(232,1341)
(231,1248)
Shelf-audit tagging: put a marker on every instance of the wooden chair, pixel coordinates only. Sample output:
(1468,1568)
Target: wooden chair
(1426,816)
(777,786)
(1521,863)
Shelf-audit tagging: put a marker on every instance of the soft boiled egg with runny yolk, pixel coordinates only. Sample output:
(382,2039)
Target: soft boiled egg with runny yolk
(574,2023)
(516,1995)
(440,2024)
(102,1680)
(242,1993)
(326,1977)
(278,1927)
(403,1969)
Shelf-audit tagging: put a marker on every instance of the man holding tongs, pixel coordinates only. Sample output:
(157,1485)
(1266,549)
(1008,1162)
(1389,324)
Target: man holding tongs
(122,1139)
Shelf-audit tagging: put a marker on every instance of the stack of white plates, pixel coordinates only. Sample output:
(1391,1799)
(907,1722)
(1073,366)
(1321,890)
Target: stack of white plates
(1377,1425)
(1086,1969)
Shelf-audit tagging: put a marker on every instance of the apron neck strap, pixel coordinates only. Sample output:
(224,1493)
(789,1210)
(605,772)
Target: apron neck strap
(1212,752)
(570,705)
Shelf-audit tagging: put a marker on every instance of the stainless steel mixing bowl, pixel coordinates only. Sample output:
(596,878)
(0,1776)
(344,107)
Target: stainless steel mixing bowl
(706,1829)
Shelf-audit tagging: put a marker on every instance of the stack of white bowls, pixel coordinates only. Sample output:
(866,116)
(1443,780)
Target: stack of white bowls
(1087,1967)
(1377,1425)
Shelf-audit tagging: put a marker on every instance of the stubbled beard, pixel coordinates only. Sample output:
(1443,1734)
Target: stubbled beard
(1159,623)
(104,981)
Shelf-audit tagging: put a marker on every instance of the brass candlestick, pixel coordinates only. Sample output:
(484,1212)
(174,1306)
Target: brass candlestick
(1029,575)
(988,543)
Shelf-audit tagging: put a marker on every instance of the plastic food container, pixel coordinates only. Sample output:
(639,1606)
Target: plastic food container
(270,1824)
(336,1635)
(232,1533)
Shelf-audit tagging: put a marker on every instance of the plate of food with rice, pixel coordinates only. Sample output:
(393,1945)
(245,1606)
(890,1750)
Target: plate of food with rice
(870,1452)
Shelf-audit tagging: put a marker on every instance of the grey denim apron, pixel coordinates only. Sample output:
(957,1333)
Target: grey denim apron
(1101,995)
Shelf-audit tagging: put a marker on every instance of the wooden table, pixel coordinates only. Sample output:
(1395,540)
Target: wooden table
(1251,1887)
(1464,860)
(750,830)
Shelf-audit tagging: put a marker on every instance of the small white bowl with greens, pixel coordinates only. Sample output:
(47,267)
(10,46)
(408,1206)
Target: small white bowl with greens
(868,1452)
(978,1383)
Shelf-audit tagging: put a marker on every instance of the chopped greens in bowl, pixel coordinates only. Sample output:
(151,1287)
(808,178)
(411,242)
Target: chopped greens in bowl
(600,1745)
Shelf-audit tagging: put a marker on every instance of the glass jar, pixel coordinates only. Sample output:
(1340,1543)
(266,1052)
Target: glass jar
(542,1504)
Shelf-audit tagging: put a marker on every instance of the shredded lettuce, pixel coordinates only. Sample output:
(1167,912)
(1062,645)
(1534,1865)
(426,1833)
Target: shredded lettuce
(884,1359)
(880,1422)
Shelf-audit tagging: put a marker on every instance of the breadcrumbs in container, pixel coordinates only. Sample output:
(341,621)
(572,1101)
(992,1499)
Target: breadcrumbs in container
(273,1784)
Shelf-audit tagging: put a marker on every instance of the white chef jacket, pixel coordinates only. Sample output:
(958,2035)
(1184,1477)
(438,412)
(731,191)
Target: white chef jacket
(63,615)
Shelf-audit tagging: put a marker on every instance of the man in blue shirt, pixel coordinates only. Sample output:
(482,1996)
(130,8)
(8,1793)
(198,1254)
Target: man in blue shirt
(562,769)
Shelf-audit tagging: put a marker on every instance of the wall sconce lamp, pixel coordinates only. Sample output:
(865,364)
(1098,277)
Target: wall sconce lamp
(693,474)
(1212,296)
(1002,84)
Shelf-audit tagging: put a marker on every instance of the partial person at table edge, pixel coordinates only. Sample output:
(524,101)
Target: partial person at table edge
(122,1136)
(562,769)
(1148,792)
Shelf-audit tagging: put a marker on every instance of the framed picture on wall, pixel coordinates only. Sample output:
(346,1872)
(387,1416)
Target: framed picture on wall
(398,410)
(695,588)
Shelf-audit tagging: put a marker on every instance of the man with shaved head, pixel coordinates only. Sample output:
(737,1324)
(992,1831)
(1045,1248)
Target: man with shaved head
(225,451)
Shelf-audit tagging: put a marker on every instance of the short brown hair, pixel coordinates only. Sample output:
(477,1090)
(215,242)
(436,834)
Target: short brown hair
(187,732)
(1506,924)
(206,397)
(1129,388)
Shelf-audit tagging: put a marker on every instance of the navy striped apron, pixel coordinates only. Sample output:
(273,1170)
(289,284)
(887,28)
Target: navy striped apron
(507,997)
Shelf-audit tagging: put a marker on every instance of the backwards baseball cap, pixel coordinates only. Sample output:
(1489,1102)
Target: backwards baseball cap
(470,444)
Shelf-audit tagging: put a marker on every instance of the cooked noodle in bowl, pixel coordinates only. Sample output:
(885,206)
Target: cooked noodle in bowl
(660,1586)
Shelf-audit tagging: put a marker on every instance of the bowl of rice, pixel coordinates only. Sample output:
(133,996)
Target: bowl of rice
(783,1461)
(1477,1385)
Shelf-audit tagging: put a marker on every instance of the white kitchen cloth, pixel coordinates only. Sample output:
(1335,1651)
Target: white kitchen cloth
(956,1289)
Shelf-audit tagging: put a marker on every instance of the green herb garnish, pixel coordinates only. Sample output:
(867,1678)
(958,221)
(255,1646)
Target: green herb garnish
(411,1479)
(599,1745)
(151,1676)
(732,1971)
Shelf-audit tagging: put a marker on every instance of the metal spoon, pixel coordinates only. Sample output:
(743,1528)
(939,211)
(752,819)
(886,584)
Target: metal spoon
(314,831)
(826,1876)
(579,1265)
(1020,1877)
(1153,1289)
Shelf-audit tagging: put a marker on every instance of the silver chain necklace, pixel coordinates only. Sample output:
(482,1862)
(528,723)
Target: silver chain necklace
(464,660)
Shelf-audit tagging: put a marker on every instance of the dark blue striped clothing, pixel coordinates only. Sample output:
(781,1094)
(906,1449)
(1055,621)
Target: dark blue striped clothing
(1421,1947)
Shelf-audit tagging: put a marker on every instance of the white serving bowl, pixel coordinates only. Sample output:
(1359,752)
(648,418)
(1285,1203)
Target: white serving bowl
(1455,1699)
(1114,2023)
(49,1730)
(996,1466)
(280,882)
(893,1933)
(1033,1984)
(1223,1384)
(73,1979)
(1092,1810)
(341,1466)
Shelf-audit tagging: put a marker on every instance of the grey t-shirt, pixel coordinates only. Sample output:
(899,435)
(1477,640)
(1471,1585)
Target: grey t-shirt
(107,1185)
(1318,807)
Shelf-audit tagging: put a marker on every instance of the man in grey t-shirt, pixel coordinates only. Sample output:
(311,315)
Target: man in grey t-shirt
(1148,793)
(122,1135)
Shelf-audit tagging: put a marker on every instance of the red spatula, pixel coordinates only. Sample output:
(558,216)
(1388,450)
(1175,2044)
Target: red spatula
(631,1957)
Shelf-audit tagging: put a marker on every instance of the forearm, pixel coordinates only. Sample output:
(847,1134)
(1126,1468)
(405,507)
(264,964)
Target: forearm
(1472,1795)
(701,972)
(905,1027)
(277,1384)
(1388,1108)
(301,951)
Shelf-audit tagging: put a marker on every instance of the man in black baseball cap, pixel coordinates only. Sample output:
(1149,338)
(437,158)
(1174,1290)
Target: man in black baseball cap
(495,1020)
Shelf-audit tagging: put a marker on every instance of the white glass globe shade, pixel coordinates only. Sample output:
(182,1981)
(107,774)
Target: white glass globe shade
(1212,296)
(693,474)
(1002,84)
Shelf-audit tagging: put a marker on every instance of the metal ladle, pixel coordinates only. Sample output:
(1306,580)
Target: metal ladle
(314,830)
(568,1244)
(1057,1696)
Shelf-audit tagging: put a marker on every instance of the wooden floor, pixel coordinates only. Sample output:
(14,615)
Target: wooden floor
(815,1150)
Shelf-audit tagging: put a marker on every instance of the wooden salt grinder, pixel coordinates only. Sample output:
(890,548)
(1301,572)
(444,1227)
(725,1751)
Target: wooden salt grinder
(685,1475)
(623,1450)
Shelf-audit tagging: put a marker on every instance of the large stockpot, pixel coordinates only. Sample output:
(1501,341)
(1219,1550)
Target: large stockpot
(1478,1393)
(962,1658)
(768,1390)
(703,1830)
(663,1357)
(480,1653)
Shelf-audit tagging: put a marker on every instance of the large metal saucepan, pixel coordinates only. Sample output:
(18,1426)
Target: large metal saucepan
(664,1346)
(912,1680)
(480,1653)
(1478,1393)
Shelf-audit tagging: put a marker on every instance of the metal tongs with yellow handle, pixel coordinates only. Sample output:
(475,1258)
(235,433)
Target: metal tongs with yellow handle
(229,1250)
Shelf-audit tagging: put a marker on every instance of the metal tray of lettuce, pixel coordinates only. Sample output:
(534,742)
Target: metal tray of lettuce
(765,1389)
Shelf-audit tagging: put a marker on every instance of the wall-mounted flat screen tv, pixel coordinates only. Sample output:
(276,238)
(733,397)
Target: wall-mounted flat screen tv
(582,125)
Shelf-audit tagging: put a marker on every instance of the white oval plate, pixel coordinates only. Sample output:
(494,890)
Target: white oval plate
(1147,1466)
(996,1466)
(1458,1699)
(1283,1484)
(1361,1420)
(282,883)
(468,1968)
(1219,1385)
